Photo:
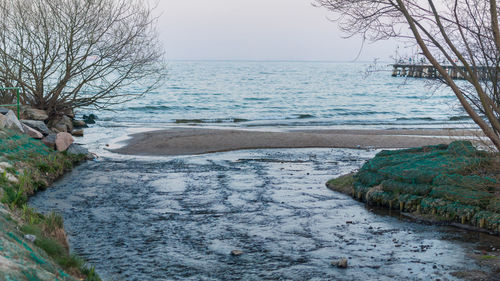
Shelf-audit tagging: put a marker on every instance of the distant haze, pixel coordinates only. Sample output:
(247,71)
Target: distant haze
(257,30)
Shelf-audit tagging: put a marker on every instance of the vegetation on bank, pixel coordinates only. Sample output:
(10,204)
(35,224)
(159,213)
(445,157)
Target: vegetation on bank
(454,184)
(27,166)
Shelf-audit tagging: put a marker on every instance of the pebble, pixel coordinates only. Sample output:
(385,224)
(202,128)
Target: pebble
(342,263)
(30,238)
(236,253)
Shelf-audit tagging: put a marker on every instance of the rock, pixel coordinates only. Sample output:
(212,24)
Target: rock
(77,149)
(35,114)
(10,121)
(32,132)
(37,125)
(77,133)
(90,119)
(236,253)
(3,110)
(79,124)
(70,113)
(30,238)
(62,124)
(50,141)
(59,128)
(10,177)
(342,263)
(4,165)
(63,141)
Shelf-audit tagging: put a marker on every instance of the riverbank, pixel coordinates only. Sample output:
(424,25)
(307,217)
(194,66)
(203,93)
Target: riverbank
(188,141)
(34,246)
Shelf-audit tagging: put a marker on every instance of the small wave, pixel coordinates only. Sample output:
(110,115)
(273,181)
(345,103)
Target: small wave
(415,119)
(256,99)
(149,107)
(304,116)
(208,121)
(359,113)
(459,118)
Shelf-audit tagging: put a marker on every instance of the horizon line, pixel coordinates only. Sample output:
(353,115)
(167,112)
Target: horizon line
(280,60)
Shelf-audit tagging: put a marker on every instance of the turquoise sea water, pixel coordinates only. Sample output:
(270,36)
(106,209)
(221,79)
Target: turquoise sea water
(288,95)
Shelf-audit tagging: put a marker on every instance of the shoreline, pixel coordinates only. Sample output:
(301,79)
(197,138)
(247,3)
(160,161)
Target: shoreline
(192,141)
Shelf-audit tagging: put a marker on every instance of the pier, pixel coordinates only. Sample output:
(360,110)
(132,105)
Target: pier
(430,72)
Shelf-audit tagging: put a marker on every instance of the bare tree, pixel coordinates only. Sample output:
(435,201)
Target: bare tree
(67,54)
(463,33)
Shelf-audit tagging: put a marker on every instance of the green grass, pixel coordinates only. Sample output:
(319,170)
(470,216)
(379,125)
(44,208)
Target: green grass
(35,167)
(488,257)
(342,184)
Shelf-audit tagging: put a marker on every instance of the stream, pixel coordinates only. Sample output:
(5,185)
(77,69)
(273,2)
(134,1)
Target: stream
(179,218)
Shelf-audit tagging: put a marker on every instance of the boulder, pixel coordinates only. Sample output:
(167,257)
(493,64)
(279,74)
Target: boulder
(35,114)
(63,141)
(50,141)
(37,125)
(59,128)
(10,121)
(77,133)
(32,132)
(77,149)
(90,119)
(4,110)
(70,113)
(79,124)
(62,124)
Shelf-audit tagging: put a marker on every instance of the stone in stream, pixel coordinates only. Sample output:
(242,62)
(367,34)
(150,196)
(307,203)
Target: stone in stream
(77,133)
(236,253)
(77,149)
(342,263)
(79,124)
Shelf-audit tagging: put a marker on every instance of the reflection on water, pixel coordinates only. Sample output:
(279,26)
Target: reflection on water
(179,218)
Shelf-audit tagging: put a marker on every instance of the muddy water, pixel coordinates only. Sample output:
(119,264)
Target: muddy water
(179,219)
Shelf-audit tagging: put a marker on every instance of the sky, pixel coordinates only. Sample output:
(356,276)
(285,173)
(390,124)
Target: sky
(257,30)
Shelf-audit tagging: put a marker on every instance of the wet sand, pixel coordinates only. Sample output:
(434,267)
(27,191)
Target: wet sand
(189,141)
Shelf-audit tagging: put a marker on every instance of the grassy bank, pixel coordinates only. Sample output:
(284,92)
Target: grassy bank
(34,246)
(452,184)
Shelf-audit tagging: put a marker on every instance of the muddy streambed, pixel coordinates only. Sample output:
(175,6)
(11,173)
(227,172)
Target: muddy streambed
(179,218)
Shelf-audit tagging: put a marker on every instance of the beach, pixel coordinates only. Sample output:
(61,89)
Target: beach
(188,141)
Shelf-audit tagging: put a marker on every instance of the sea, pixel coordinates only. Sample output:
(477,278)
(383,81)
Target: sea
(287,95)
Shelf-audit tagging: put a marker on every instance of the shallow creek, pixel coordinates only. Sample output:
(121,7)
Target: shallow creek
(179,218)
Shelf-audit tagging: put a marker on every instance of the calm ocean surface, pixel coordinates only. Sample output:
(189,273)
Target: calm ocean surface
(288,95)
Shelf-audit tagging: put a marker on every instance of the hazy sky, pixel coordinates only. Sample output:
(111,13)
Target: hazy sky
(257,30)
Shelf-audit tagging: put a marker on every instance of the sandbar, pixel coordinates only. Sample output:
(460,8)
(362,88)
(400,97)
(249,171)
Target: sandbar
(190,141)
